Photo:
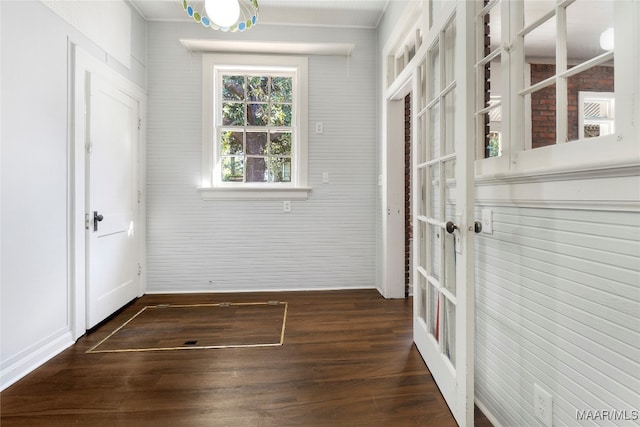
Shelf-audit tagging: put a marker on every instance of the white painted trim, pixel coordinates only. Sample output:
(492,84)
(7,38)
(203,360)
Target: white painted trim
(259,290)
(252,193)
(300,103)
(35,356)
(262,47)
(83,63)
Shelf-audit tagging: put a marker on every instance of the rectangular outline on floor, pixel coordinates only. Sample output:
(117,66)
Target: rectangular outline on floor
(223,304)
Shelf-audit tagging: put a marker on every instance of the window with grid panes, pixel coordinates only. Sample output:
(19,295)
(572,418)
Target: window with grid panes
(255,125)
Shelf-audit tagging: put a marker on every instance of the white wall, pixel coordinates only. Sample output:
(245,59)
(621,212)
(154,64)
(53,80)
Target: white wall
(327,241)
(35,284)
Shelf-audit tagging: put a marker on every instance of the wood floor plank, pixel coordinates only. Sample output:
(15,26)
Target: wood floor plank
(347,360)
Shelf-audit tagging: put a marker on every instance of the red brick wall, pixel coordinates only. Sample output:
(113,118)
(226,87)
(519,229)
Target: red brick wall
(407,191)
(543,102)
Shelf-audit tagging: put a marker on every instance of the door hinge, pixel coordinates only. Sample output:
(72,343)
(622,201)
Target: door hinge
(139,123)
(86,221)
(139,269)
(139,196)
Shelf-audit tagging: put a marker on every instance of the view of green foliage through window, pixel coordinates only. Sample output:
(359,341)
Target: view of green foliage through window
(256,132)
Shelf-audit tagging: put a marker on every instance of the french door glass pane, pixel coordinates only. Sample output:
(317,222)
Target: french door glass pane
(450,262)
(434,131)
(422,297)
(449,52)
(423,178)
(422,236)
(449,134)
(433,300)
(434,81)
(434,186)
(435,251)
(449,331)
(423,149)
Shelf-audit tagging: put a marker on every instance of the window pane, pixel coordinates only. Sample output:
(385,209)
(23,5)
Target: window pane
(257,114)
(257,143)
(279,169)
(543,110)
(536,9)
(258,88)
(232,169)
(281,89)
(540,44)
(232,114)
(583,38)
(280,144)
(598,106)
(231,143)
(256,169)
(233,88)
(281,115)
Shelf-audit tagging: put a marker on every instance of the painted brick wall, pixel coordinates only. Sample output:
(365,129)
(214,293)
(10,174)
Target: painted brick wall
(543,102)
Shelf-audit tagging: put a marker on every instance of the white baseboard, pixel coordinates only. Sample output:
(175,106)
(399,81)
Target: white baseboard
(33,357)
(152,291)
(487,413)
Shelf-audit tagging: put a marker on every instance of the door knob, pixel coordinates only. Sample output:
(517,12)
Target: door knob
(477,226)
(96,219)
(450,227)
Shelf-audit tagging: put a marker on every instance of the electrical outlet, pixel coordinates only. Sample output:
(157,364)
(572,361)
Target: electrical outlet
(319,128)
(543,405)
(286,206)
(325,177)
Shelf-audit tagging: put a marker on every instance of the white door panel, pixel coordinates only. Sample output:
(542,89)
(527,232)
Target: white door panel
(112,123)
(443,197)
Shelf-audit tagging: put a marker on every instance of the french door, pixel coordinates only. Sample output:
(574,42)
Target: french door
(443,197)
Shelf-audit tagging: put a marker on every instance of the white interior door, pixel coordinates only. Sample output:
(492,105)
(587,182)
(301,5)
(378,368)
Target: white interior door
(443,196)
(112,199)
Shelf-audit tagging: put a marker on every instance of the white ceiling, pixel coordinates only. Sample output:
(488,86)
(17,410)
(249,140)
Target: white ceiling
(332,13)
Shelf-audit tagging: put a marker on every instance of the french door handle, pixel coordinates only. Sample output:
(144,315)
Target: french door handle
(477,226)
(96,219)
(450,227)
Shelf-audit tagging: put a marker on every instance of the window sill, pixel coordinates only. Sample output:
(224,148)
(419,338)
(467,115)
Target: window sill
(254,193)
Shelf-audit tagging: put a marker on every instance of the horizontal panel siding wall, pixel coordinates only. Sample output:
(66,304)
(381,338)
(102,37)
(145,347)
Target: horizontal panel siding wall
(327,241)
(558,304)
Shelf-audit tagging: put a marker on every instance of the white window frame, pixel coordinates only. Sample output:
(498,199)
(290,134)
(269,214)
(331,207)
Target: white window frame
(615,150)
(212,187)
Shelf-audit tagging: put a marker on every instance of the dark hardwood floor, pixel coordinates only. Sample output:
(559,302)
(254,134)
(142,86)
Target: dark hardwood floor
(347,360)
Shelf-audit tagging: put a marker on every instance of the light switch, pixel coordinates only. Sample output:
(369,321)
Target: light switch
(487,221)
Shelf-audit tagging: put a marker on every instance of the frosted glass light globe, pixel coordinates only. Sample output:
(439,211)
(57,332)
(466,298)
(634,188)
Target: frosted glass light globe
(224,13)
(606,39)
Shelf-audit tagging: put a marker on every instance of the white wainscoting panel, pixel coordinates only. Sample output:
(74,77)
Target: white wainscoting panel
(558,303)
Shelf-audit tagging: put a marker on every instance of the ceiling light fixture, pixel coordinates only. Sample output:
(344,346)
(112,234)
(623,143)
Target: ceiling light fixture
(606,39)
(223,15)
